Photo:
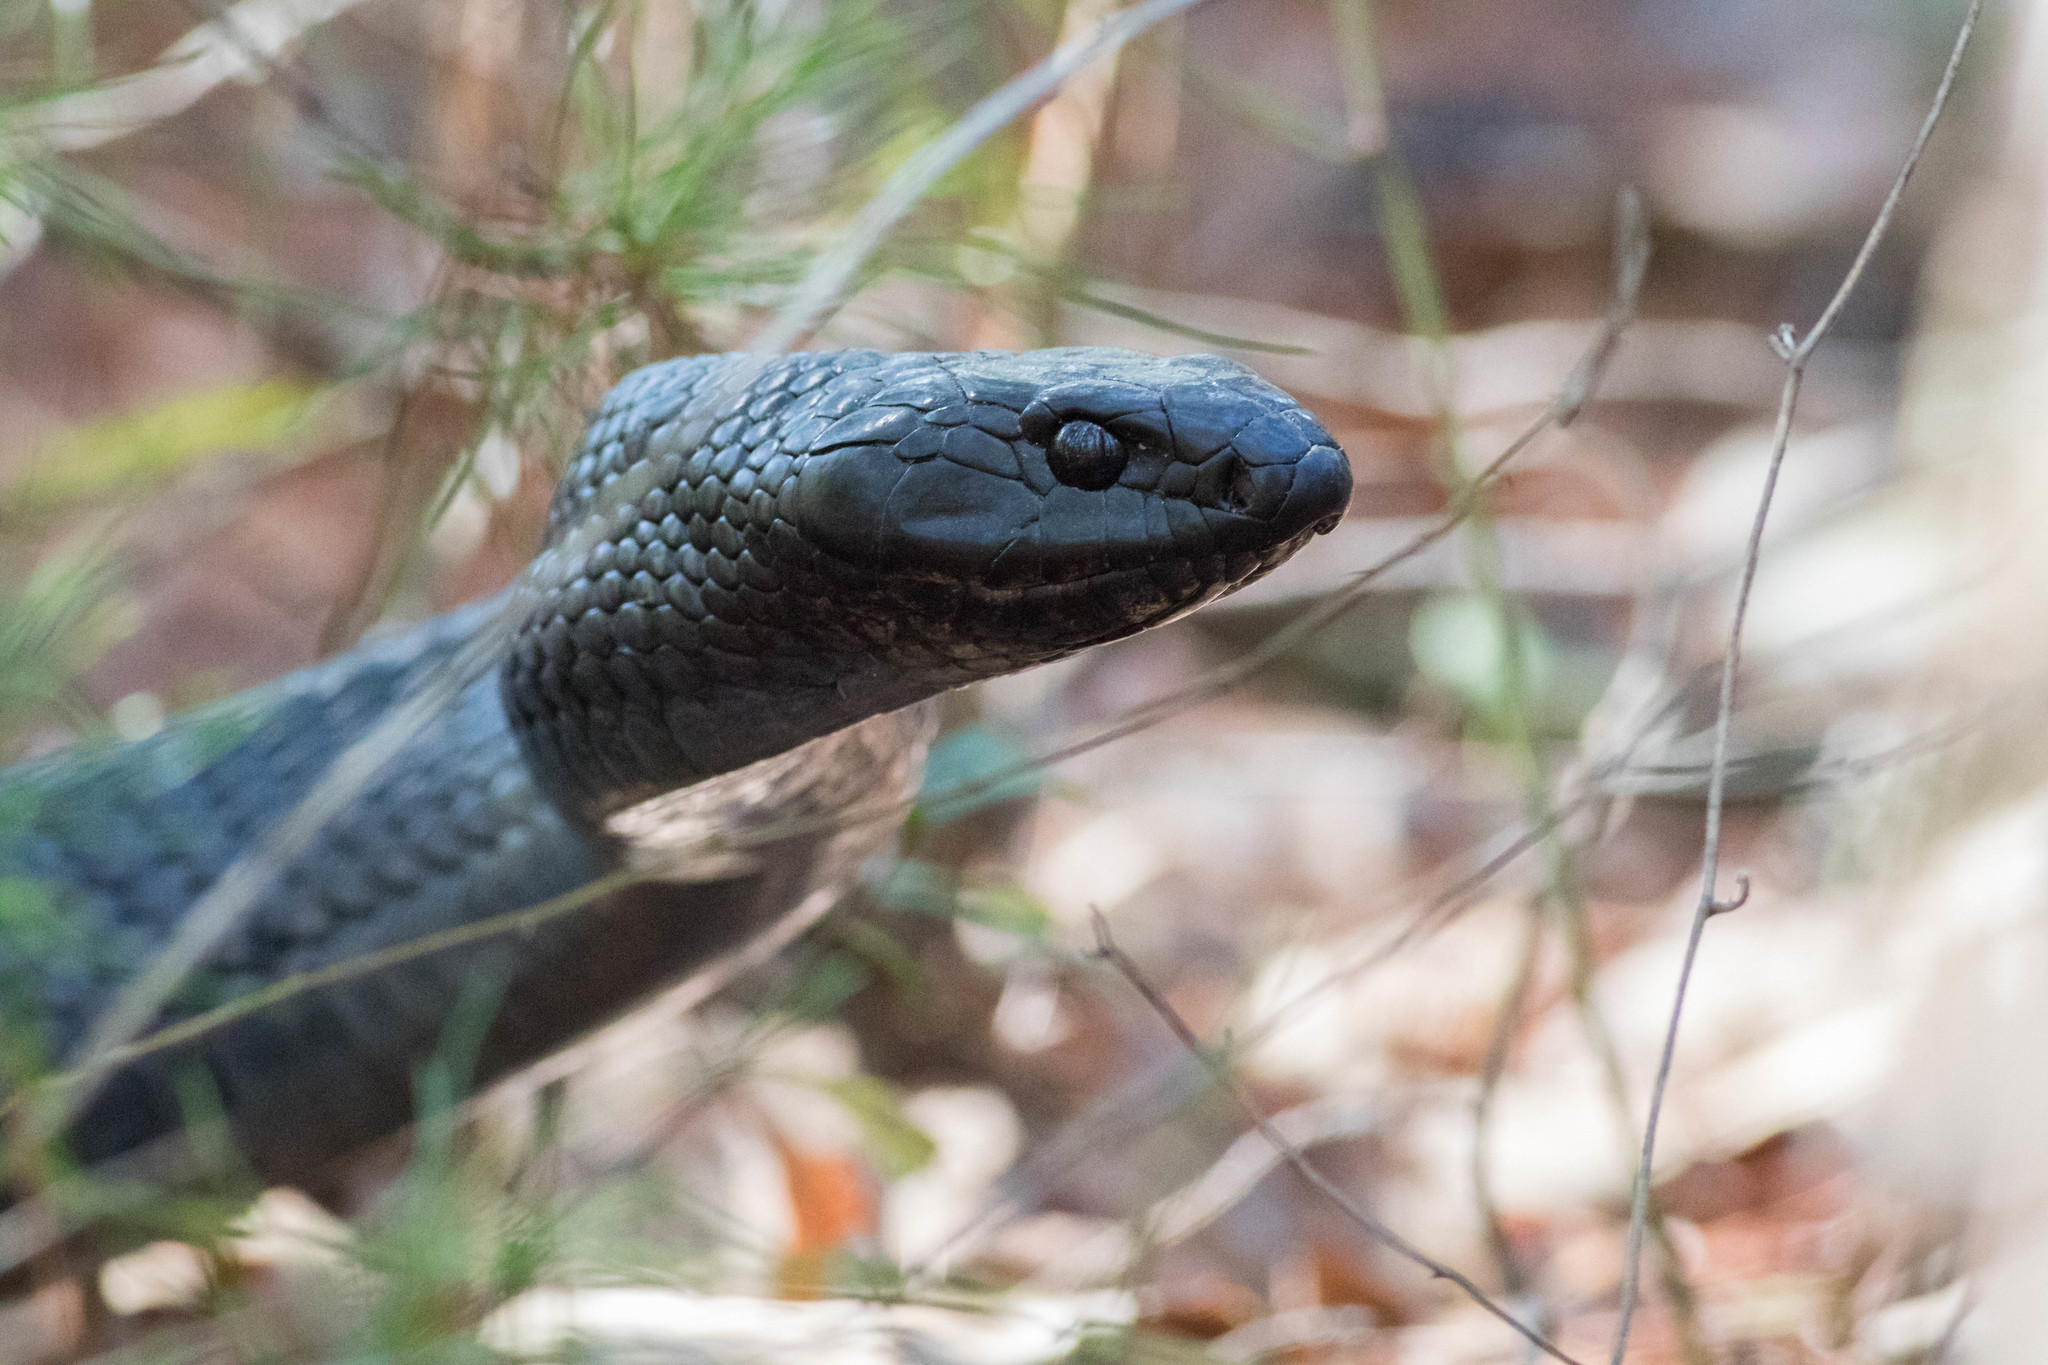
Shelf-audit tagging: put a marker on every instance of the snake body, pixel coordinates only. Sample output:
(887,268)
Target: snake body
(757,568)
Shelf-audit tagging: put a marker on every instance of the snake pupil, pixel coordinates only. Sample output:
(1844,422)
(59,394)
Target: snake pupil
(1086,456)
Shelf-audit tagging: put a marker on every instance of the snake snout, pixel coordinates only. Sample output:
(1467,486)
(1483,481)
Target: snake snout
(1318,494)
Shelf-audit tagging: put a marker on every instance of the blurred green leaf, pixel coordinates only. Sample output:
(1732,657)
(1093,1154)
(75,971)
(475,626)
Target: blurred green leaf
(829,983)
(880,949)
(1461,643)
(1008,908)
(1120,1345)
(30,926)
(920,887)
(36,938)
(961,762)
(899,1145)
(123,455)
(924,888)
(52,628)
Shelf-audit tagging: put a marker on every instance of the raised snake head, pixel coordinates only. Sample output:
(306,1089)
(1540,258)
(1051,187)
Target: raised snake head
(749,552)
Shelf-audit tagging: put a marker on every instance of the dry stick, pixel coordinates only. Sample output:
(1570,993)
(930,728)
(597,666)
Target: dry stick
(1796,353)
(1107,949)
(1582,970)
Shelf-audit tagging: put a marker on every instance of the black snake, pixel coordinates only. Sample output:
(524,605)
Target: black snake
(757,567)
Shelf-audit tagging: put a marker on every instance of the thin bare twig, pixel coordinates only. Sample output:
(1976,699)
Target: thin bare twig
(1145,1100)
(1796,352)
(1107,948)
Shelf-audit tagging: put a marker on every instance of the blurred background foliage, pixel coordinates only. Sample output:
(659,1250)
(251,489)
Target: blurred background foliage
(303,301)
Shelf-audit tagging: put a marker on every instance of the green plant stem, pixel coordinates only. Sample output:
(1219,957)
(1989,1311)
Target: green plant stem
(1514,1280)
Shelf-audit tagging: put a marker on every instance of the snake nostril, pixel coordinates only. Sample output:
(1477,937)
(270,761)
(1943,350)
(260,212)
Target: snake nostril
(1239,490)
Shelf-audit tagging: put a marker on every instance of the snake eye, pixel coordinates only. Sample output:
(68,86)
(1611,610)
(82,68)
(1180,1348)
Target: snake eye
(1086,456)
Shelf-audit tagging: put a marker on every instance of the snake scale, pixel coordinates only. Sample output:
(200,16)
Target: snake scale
(757,568)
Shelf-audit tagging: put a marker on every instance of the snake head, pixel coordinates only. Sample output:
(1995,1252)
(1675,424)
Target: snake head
(1041,502)
(752,551)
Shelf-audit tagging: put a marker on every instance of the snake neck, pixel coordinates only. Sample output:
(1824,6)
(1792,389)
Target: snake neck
(626,723)
(653,665)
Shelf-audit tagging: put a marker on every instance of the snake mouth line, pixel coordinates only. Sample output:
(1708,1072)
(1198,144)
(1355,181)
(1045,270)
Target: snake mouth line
(1207,575)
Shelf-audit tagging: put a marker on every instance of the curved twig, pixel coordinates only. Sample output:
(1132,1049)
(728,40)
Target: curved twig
(1796,353)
